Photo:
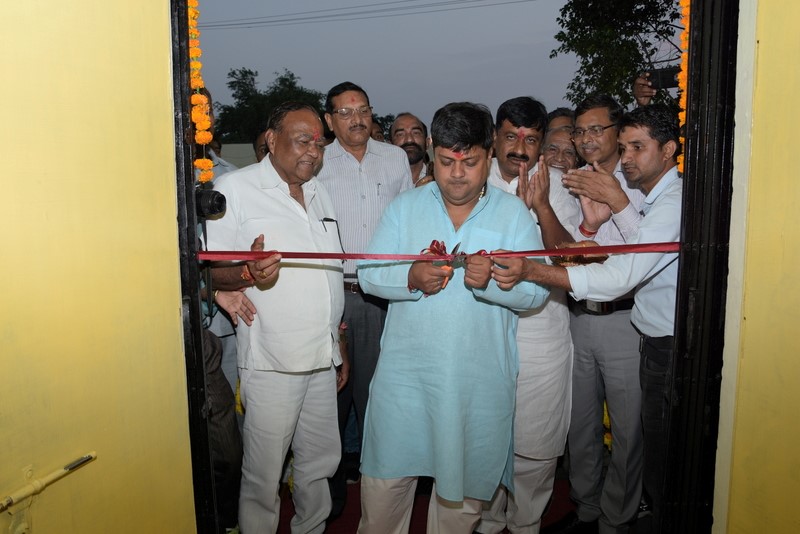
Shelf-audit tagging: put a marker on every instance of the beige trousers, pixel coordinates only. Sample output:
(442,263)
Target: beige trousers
(386,509)
(521,512)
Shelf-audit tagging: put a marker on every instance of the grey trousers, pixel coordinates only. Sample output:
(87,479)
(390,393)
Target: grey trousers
(364,315)
(606,367)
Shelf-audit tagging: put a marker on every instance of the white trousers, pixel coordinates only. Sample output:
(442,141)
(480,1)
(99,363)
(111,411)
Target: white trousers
(386,507)
(283,409)
(521,512)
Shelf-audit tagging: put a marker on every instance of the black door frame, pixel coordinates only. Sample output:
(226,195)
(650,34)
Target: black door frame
(702,283)
(202,471)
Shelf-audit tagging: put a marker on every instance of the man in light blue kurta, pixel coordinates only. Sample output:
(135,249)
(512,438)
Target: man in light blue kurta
(442,398)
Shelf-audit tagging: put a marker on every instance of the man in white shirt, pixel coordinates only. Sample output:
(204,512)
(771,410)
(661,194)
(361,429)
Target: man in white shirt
(543,396)
(362,176)
(649,144)
(287,355)
(606,361)
(558,150)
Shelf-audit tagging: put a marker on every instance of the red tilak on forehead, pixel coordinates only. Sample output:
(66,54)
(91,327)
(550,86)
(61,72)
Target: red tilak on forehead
(520,133)
(458,155)
(317,135)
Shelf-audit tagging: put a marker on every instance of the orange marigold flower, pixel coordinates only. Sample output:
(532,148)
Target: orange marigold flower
(199,98)
(203,138)
(195,51)
(196,83)
(199,113)
(205,176)
(204,164)
(192,3)
(193,13)
(204,124)
(195,65)
(194,33)
(194,42)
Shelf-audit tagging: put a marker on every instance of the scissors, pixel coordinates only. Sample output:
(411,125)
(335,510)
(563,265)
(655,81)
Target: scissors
(456,262)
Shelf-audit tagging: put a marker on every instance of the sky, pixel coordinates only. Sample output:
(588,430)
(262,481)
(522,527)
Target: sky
(484,51)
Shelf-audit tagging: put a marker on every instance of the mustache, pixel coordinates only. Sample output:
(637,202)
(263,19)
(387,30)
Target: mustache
(523,157)
(412,144)
(358,127)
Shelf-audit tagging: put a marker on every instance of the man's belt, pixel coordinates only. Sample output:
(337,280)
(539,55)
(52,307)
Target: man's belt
(661,343)
(604,308)
(352,286)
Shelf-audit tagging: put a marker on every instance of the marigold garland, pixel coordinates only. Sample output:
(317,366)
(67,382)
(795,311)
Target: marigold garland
(200,103)
(683,75)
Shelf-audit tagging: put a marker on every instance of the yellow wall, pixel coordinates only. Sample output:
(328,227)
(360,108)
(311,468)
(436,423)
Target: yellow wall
(90,330)
(758,473)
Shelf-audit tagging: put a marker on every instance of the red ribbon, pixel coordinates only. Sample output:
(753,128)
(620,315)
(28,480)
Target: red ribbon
(235,255)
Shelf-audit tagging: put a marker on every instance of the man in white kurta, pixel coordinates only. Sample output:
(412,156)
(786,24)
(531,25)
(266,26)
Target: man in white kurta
(544,385)
(286,357)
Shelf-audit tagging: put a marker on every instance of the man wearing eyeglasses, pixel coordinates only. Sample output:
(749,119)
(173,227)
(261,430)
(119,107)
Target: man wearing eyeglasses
(606,360)
(362,176)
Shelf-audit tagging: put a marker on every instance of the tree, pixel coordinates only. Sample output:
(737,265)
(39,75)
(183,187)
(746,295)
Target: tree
(615,40)
(386,122)
(247,116)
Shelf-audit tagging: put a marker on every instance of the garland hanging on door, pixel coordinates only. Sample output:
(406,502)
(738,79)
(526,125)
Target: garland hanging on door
(199,101)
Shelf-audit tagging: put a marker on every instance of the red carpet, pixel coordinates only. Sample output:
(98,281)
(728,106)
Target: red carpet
(347,523)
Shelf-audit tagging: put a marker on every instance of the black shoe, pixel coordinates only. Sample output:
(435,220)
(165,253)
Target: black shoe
(570,524)
(644,508)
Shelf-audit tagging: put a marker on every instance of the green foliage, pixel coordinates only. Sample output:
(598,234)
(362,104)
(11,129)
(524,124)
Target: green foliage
(386,122)
(241,121)
(614,41)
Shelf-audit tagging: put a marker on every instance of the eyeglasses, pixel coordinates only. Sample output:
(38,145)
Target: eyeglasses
(346,113)
(593,131)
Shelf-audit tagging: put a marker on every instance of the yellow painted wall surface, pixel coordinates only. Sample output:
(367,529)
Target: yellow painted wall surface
(90,329)
(765,464)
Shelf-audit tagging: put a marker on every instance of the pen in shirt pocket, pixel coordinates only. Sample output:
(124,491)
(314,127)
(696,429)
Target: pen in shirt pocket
(338,234)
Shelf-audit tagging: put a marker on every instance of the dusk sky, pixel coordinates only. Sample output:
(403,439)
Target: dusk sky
(406,59)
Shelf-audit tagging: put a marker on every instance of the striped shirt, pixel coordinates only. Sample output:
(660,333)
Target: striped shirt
(360,191)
